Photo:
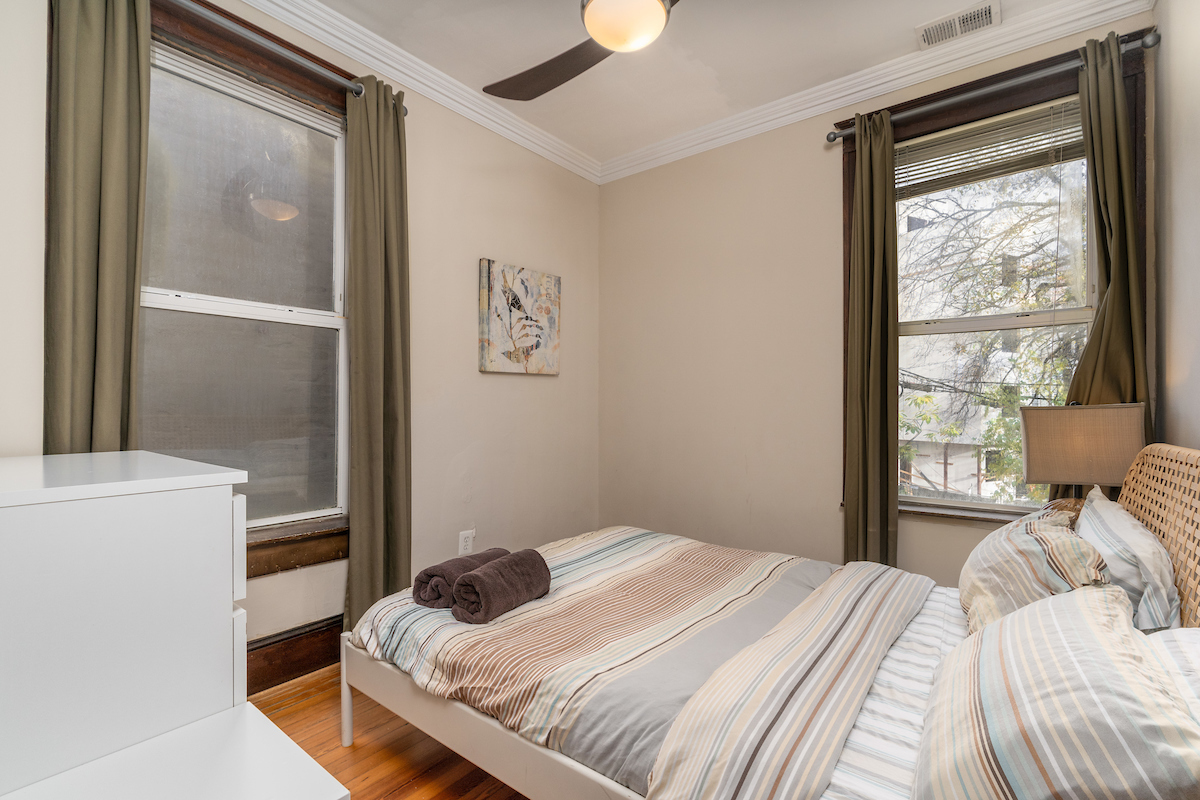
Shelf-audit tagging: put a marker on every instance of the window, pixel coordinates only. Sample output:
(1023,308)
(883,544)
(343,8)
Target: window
(995,297)
(243,341)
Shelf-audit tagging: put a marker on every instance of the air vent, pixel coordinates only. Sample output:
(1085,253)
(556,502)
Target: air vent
(975,18)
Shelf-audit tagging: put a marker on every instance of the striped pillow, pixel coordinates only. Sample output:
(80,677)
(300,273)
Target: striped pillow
(1136,559)
(1063,698)
(1025,561)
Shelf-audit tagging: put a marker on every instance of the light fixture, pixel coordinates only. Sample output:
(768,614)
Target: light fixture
(625,25)
(273,209)
(263,201)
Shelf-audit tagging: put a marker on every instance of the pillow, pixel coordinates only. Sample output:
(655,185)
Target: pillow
(1136,559)
(1032,558)
(1061,699)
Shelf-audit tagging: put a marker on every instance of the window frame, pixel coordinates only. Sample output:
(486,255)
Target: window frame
(168,58)
(1053,88)
(998,322)
(177,26)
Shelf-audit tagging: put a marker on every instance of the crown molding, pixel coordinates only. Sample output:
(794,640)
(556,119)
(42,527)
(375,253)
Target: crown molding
(1053,21)
(389,61)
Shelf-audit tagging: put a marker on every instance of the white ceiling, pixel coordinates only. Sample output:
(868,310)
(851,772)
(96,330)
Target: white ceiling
(715,59)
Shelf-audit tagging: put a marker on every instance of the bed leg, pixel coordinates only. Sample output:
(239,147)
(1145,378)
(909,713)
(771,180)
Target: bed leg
(347,699)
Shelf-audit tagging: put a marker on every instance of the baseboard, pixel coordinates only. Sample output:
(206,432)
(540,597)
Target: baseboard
(279,658)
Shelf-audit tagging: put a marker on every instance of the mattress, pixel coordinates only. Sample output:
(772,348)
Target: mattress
(636,622)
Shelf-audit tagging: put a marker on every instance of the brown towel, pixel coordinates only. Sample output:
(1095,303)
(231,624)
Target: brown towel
(434,586)
(499,586)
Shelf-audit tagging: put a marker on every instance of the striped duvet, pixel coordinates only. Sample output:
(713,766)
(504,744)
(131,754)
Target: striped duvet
(635,624)
(771,722)
(618,598)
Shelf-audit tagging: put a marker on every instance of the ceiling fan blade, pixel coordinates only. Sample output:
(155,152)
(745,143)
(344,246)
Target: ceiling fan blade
(550,74)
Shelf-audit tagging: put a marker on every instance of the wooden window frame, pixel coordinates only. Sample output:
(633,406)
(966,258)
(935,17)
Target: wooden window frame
(175,26)
(1044,90)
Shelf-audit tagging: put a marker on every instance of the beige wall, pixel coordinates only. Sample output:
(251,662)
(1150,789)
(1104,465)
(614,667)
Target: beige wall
(721,344)
(938,547)
(22,228)
(1178,177)
(515,457)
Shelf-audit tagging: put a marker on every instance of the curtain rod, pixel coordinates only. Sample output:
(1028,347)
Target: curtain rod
(1148,41)
(353,87)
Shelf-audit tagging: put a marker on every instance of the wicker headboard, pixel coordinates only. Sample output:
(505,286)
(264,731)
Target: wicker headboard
(1162,489)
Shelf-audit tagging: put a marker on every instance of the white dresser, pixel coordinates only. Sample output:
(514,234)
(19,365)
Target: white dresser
(122,648)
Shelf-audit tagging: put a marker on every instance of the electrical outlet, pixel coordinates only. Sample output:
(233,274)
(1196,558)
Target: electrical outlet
(466,542)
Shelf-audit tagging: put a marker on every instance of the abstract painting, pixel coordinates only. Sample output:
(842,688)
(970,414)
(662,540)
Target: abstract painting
(518,319)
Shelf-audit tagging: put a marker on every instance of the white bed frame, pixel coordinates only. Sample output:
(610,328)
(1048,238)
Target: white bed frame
(537,772)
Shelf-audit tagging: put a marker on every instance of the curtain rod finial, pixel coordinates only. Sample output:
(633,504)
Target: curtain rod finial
(1151,39)
(831,137)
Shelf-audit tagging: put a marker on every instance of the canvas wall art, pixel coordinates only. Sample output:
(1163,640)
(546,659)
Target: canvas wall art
(518,319)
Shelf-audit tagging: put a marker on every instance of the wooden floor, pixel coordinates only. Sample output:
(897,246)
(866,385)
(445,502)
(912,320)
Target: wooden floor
(389,759)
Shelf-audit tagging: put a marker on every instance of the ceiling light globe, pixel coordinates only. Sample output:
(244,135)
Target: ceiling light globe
(625,25)
(273,209)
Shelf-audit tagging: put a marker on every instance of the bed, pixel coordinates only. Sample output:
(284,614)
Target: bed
(700,639)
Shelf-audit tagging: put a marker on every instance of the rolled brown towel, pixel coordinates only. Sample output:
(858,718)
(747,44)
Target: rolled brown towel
(434,586)
(499,586)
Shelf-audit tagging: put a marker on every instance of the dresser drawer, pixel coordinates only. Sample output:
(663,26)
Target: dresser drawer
(239,547)
(239,654)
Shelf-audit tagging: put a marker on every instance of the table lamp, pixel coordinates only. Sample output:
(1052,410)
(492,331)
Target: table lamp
(1081,445)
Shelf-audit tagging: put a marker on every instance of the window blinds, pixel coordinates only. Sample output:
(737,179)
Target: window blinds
(1037,137)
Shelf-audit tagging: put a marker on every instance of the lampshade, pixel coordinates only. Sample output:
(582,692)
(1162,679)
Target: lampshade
(1082,445)
(625,25)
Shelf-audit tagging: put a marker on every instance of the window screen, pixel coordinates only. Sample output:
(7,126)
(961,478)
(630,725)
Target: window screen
(241,340)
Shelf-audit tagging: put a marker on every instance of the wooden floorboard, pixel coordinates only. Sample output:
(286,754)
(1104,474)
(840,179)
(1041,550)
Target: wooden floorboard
(389,760)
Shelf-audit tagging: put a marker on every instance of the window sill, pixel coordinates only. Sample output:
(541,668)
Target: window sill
(292,545)
(961,513)
(295,531)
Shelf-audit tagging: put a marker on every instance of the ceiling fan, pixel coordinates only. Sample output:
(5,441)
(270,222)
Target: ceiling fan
(615,26)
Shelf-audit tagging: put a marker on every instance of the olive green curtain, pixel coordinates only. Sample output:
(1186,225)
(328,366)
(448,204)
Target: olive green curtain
(98,117)
(1112,368)
(380,507)
(872,349)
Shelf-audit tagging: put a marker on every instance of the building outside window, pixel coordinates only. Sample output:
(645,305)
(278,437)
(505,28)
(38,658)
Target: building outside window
(995,297)
(243,341)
